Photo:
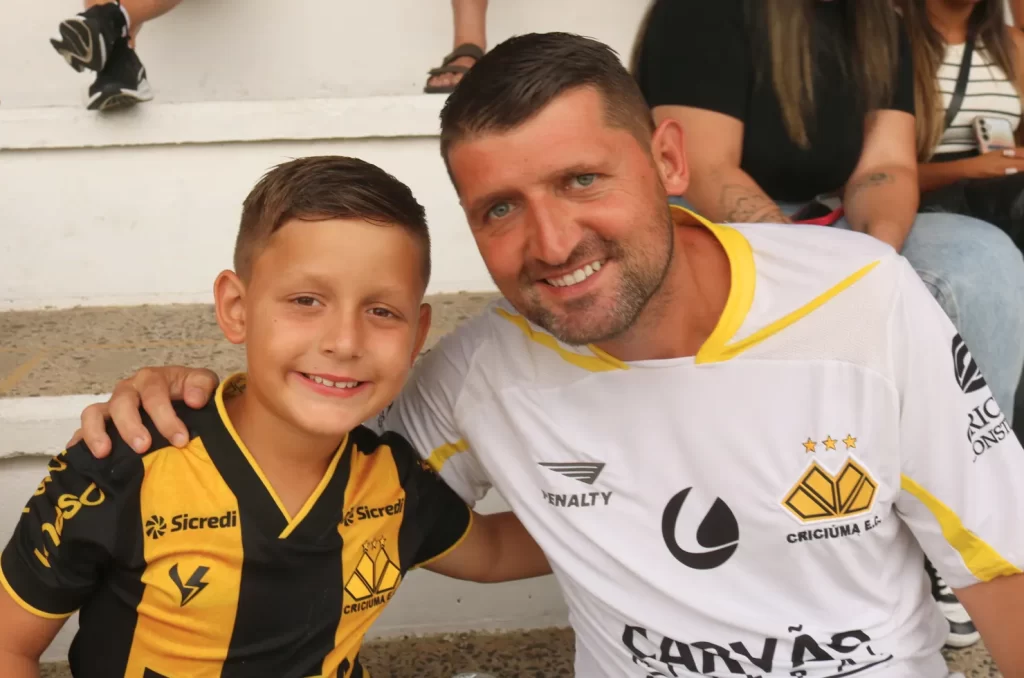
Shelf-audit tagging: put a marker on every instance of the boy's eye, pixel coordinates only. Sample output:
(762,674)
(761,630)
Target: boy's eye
(305,301)
(382,312)
(585,180)
(499,211)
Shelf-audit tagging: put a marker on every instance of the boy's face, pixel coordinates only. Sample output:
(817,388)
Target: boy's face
(332,319)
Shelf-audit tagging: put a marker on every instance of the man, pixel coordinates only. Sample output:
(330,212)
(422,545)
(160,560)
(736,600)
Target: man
(725,439)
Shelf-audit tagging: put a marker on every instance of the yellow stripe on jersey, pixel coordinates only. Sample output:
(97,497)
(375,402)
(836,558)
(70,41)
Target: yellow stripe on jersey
(445,452)
(193,573)
(599,362)
(742,278)
(25,606)
(711,353)
(370,550)
(982,560)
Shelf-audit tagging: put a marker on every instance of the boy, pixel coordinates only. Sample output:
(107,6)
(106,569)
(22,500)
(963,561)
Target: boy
(272,543)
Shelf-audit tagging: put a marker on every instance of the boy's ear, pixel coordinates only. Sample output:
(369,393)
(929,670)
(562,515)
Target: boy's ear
(422,328)
(229,299)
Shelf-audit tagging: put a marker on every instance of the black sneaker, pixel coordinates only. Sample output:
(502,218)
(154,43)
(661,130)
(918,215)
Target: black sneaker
(961,629)
(122,83)
(87,39)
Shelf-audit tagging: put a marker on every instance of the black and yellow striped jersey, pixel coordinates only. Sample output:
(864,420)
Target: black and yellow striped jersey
(185,563)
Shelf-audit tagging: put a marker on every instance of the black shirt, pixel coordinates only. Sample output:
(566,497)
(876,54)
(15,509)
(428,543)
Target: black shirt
(708,55)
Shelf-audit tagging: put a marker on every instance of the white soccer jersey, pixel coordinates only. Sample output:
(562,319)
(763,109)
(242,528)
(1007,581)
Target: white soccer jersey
(756,509)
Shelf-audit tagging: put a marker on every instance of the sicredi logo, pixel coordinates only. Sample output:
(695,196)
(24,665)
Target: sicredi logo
(363,512)
(156,526)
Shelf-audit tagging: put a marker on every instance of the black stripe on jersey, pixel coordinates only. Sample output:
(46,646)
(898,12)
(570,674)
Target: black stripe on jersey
(290,594)
(435,517)
(255,503)
(107,622)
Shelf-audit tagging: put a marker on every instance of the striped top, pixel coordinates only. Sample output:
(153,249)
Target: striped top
(989,92)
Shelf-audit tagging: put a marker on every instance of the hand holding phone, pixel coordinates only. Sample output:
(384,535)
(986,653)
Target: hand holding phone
(993,133)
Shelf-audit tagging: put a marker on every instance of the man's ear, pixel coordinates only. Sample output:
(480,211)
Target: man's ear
(668,148)
(229,300)
(422,329)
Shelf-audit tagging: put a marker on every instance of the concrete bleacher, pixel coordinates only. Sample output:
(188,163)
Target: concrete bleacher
(114,227)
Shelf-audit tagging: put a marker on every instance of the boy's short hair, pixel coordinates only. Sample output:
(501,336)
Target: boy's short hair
(326,187)
(518,78)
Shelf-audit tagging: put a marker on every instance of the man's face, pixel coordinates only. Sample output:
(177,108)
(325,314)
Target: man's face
(571,218)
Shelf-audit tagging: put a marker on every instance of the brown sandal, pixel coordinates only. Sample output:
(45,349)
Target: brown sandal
(465,50)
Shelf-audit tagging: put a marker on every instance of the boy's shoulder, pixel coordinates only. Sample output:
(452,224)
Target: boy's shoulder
(124,466)
(407,459)
(368,441)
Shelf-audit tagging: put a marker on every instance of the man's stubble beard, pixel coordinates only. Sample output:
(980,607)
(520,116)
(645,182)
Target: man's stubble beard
(640,282)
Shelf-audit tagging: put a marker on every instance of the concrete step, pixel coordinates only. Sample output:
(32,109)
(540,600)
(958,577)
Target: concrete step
(86,350)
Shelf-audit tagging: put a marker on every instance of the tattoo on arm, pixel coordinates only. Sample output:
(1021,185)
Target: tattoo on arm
(870,181)
(745,205)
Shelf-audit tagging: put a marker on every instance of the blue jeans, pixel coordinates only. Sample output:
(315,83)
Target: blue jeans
(976,274)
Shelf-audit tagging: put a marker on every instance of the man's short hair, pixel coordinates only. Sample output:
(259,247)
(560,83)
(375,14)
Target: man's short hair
(326,187)
(518,78)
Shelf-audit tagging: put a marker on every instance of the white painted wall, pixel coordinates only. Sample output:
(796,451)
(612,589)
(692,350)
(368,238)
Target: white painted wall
(155,224)
(248,50)
(142,207)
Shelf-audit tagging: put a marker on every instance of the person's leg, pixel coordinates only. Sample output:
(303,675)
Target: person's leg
(100,39)
(470,28)
(139,11)
(977,274)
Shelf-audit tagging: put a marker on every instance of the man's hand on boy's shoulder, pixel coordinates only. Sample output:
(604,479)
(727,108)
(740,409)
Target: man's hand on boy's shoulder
(153,389)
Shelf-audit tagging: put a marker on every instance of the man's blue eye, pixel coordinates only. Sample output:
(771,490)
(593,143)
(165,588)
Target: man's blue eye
(500,210)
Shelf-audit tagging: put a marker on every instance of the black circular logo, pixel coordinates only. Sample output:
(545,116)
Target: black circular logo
(155,527)
(718,533)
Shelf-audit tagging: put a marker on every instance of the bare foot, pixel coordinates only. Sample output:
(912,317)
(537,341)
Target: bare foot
(451,79)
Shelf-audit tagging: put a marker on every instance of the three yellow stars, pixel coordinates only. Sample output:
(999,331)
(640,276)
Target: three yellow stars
(829,443)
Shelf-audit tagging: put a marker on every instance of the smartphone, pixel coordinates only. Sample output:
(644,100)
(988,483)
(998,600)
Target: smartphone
(993,133)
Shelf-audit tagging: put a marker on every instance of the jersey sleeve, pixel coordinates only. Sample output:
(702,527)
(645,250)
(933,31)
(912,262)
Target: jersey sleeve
(436,519)
(962,468)
(425,414)
(696,53)
(64,539)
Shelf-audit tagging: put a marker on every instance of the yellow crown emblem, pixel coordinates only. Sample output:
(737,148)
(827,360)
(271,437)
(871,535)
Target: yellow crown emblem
(820,496)
(373,574)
